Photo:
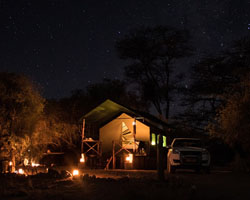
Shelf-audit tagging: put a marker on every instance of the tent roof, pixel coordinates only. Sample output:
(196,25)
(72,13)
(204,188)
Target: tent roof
(105,111)
(108,110)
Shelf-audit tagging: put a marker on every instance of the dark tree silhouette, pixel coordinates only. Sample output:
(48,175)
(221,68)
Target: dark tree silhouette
(233,122)
(152,53)
(212,78)
(82,101)
(61,117)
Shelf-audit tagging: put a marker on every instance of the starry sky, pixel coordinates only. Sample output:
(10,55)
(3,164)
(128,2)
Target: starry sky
(67,44)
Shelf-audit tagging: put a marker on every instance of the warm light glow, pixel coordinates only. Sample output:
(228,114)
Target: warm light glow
(153,139)
(75,172)
(34,164)
(164,144)
(82,159)
(134,123)
(129,158)
(20,171)
(25,162)
(10,163)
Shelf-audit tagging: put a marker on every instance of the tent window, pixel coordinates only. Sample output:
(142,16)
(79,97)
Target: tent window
(153,139)
(164,141)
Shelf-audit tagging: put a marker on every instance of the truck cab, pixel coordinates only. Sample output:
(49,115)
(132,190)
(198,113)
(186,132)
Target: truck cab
(188,153)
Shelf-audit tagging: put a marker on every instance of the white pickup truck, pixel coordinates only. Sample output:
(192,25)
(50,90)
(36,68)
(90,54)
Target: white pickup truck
(187,153)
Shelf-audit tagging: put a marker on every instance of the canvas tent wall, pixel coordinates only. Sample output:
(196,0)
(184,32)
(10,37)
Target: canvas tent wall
(100,117)
(111,121)
(121,129)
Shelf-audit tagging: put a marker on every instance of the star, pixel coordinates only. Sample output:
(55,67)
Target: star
(77,38)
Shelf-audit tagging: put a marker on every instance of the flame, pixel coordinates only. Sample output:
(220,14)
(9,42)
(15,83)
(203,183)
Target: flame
(20,171)
(129,158)
(25,162)
(75,172)
(82,159)
(34,164)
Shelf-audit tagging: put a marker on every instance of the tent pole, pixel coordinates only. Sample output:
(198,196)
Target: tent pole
(134,134)
(113,154)
(160,168)
(83,129)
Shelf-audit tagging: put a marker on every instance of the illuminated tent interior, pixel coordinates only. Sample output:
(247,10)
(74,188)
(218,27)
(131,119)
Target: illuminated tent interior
(110,122)
(122,129)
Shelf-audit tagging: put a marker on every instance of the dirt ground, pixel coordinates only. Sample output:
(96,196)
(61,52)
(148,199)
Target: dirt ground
(127,185)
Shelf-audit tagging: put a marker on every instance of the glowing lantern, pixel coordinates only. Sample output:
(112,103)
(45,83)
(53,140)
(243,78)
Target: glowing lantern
(10,163)
(129,158)
(34,164)
(25,162)
(82,159)
(20,171)
(75,172)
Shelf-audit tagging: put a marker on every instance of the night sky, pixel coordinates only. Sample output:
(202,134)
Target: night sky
(64,45)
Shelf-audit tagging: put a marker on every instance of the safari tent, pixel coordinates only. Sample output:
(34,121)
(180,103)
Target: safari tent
(112,131)
(125,129)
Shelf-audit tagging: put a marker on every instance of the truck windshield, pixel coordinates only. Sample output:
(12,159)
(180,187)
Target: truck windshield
(187,143)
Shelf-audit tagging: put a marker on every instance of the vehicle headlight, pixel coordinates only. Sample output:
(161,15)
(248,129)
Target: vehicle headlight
(176,151)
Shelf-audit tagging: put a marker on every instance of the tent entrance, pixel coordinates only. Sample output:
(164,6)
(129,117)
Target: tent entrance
(127,137)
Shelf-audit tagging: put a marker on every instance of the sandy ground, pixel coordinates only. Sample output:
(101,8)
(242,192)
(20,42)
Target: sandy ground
(129,184)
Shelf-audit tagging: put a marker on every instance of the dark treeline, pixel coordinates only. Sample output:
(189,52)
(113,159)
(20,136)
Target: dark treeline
(216,103)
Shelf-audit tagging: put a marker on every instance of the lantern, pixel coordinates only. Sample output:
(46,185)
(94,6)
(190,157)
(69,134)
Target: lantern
(75,172)
(82,159)
(129,158)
